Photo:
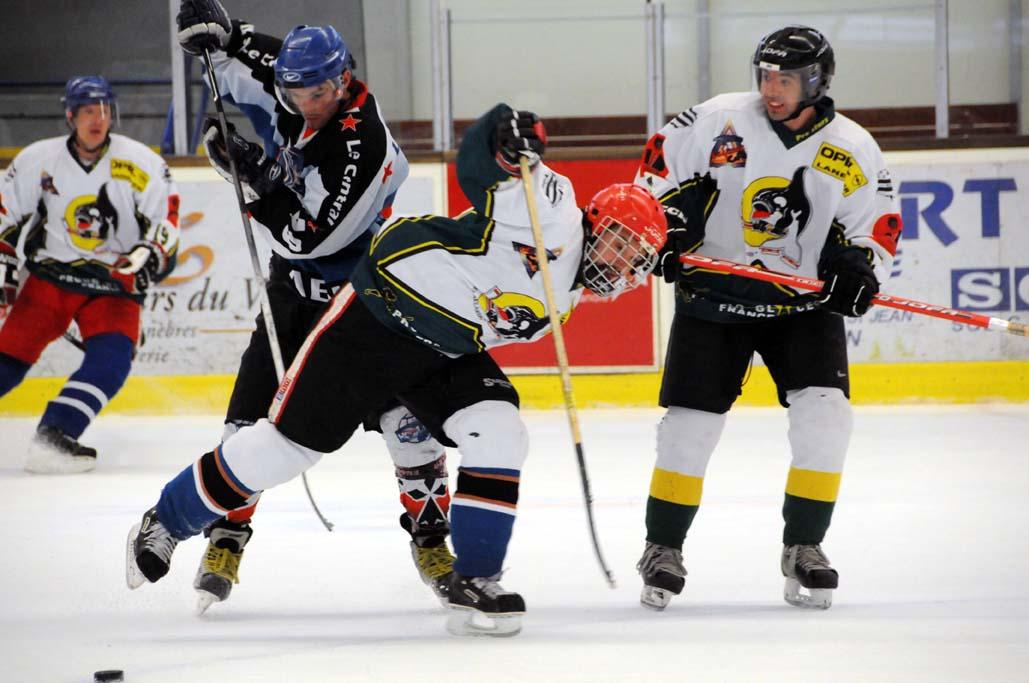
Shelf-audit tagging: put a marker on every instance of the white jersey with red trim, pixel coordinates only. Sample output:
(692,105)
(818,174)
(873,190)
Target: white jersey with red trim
(78,220)
(772,197)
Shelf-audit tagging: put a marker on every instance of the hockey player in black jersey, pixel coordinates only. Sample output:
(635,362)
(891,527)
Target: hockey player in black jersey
(330,185)
(416,322)
(776,179)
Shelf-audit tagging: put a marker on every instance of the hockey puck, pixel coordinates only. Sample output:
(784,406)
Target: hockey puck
(108,675)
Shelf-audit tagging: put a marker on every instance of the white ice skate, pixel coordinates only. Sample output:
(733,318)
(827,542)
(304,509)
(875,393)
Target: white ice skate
(810,580)
(51,451)
(481,607)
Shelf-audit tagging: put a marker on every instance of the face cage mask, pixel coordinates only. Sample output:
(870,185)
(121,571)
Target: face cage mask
(283,93)
(616,259)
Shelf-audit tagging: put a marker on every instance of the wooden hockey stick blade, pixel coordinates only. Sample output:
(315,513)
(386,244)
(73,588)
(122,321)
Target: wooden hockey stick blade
(887,300)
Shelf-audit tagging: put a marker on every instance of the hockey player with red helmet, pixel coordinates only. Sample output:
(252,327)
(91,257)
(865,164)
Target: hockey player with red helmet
(776,179)
(426,302)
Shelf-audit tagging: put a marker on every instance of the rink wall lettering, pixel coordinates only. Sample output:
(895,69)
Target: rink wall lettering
(965,245)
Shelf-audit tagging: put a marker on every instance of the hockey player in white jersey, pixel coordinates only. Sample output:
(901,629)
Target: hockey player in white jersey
(777,179)
(95,217)
(425,303)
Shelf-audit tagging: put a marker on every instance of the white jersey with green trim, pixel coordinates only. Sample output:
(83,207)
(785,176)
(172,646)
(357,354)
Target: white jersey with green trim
(473,282)
(778,199)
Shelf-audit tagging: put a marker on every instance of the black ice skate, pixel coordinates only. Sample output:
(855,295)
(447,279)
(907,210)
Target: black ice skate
(663,575)
(219,567)
(806,567)
(432,558)
(54,452)
(149,550)
(481,607)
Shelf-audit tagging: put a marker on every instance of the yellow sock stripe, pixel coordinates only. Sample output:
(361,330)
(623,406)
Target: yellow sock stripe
(673,487)
(823,486)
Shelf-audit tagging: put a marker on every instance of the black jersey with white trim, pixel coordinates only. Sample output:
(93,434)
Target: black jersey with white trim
(351,168)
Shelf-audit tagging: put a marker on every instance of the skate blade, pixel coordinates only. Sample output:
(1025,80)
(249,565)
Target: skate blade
(204,600)
(133,576)
(470,622)
(813,598)
(655,598)
(45,461)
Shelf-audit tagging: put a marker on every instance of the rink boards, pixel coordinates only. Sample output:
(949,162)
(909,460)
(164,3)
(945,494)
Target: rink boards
(965,246)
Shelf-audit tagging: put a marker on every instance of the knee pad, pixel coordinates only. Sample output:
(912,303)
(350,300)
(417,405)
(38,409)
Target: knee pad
(261,457)
(686,438)
(821,421)
(489,434)
(408,440)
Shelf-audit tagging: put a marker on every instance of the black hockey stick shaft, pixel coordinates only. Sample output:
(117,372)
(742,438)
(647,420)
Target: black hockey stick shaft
(562,362)
(255,263)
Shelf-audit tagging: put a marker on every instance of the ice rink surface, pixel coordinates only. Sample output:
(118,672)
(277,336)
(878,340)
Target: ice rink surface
(931,538)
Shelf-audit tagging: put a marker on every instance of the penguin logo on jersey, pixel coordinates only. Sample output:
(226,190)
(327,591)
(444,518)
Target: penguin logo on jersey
(90,219)
(728,149)
(512,315)
(775,213)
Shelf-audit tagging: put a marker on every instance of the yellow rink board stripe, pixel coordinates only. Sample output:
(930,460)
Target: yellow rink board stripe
(672,487)
(871,383)
(823,486)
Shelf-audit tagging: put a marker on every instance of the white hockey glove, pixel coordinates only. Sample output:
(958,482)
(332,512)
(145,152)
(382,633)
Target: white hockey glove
(203,25)
(140,267)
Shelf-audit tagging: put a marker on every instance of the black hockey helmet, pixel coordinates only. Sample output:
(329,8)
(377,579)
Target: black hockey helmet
(800,49)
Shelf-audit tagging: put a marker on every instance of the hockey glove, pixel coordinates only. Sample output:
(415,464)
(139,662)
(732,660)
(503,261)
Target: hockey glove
(8,274)
(850,283)
(203,25)
(521,133)
(258,174)
(140,267)
(682,239)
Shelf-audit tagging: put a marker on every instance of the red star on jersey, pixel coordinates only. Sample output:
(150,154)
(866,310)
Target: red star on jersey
(387,172)
(350,123)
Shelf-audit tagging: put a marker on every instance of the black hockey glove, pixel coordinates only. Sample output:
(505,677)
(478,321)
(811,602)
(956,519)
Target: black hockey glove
(8,274)
(521,134)
(850,283)
(203,25)
(682,239)
(258,174)
(140,267)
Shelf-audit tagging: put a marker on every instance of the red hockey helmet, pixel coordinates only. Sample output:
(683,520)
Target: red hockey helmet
(627,229)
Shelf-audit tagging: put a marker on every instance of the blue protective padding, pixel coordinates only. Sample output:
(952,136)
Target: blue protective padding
(12,372)
(480,539)
(180,508)
(105,366)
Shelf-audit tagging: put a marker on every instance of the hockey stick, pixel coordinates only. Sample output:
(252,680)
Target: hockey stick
(255,263)
(887,300)
(562,361)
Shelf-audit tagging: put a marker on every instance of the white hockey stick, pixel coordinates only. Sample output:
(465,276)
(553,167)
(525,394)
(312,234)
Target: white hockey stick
(562,362)
(248,231)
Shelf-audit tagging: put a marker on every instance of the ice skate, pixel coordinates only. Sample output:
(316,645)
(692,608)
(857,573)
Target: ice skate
(481,607)
(663,575)
(54,452)
(435,566)
(219,567)
(148,551)
(810,580)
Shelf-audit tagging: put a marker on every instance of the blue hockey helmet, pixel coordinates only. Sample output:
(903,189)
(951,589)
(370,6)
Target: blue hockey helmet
(310,55)
(82,90)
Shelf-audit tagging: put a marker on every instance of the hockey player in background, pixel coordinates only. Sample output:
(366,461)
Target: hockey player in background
(779,180)
(95,216)
(319,200)
(428,299)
